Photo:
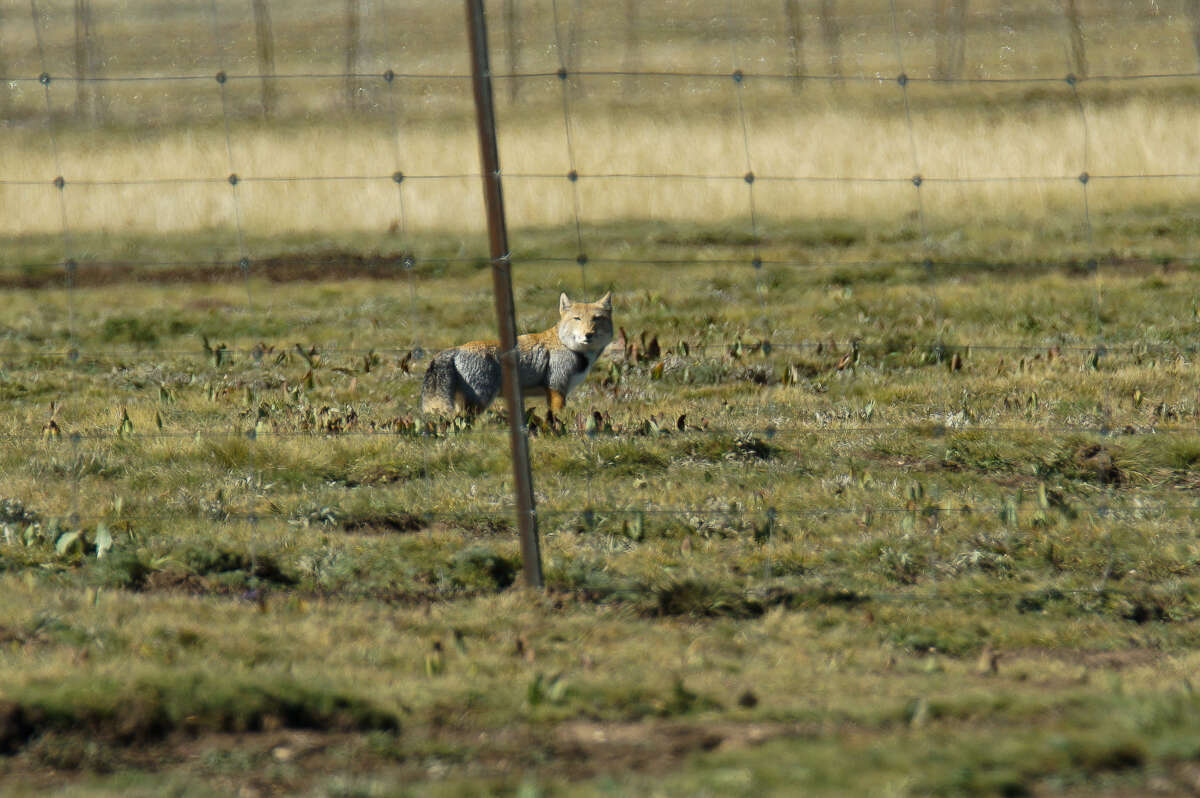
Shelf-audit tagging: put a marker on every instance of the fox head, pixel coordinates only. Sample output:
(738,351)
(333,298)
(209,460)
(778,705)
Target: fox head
(585,326)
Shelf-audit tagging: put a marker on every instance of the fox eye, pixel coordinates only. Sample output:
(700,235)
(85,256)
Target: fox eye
(578,319)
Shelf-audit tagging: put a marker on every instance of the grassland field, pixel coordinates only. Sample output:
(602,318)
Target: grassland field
(908,508)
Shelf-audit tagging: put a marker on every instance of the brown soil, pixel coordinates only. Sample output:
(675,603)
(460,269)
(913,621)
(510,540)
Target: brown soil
(279,269)
(572,751)
(283,761)
(338,265)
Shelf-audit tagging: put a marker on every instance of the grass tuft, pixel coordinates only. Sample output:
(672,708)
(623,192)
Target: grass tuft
(480,568)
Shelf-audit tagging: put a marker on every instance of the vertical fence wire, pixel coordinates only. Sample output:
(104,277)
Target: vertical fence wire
(581,258)
(70,266)
(1093,262)
(564,80)
(253,478)
(1076,58)
(574,24)
(831,36)
(738,88)
(568,60)
(353,34)
(264,41)
(794,29)
(68,261)
(1193,12)
(1078,61)
(915,489)
(918,180)
(233,178)
(417,353)
(632,44)
(512,45)
(756,261)
(5,100)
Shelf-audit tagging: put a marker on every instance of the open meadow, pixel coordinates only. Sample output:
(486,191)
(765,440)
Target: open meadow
(888,487)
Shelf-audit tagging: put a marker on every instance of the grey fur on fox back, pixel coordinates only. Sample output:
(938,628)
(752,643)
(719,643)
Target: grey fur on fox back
(551,363)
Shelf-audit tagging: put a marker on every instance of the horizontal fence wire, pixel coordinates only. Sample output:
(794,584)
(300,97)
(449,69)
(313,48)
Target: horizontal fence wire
(78,269)
(395,262)
(563,74)
(573,176)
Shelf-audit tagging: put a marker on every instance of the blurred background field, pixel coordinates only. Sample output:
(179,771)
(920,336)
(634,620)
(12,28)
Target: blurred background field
(887,487)
(820,118)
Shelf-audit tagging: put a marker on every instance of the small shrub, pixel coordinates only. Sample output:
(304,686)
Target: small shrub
(121,569)
(128,329)
(234,566)
(203,560)
(480,568)
(703,599)
(67,752)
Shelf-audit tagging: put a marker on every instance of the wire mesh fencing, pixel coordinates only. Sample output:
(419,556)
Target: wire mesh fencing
(190,173)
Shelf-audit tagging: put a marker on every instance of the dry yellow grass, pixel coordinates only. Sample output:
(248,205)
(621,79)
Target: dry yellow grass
(817,140)
(824,548)
(650,125)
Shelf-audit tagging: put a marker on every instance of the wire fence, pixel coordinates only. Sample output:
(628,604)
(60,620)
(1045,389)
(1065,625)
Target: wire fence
(82,92)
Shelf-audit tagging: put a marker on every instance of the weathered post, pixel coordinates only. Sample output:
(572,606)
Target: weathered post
(489,159)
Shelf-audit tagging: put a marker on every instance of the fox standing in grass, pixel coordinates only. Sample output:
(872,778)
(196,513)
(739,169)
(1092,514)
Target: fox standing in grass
(551,363)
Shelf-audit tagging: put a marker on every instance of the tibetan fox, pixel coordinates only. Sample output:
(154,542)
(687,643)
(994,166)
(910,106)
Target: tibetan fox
(466,379)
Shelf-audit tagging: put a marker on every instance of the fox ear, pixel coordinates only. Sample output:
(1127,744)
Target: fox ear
(564,304)
(606,301)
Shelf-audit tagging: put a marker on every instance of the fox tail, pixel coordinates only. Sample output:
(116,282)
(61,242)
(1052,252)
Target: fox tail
(441,385)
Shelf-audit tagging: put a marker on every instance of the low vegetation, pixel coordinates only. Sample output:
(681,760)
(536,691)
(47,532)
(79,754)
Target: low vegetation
(885,488)
(235,557)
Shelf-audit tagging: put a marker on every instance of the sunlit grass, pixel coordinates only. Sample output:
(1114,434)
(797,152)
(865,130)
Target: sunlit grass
(701,157)
(889,490)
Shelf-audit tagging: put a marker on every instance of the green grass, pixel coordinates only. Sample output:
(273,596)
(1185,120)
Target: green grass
(761,566)
(908,510)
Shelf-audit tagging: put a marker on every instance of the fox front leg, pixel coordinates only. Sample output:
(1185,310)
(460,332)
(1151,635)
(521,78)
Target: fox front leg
(555,400)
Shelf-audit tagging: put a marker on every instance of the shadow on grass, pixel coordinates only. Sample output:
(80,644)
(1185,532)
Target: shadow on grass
(153,707)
